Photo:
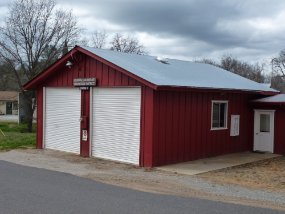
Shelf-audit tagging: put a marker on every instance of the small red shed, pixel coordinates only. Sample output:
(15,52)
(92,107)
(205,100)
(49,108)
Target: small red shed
(141,109)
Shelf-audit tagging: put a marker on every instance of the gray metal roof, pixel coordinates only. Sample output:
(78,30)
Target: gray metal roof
(178,73)
(279,98)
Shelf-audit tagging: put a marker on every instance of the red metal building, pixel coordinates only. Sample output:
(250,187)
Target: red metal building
(144,110)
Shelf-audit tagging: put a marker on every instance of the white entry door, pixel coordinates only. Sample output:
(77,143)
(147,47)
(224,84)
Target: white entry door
(116,124)
(62,119)
(264,130)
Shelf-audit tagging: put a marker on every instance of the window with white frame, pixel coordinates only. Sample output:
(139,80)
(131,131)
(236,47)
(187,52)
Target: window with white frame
(219,114)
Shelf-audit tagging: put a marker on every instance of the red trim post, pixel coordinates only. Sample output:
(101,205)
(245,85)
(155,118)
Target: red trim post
(84,125)
(39,102)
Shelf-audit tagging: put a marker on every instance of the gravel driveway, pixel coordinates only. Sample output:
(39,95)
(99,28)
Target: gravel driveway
(149,180)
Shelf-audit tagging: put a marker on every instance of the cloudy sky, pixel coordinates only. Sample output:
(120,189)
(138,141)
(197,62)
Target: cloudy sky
(251,30)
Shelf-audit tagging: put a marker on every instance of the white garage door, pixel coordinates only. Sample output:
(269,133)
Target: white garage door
(116,124)
(62,119)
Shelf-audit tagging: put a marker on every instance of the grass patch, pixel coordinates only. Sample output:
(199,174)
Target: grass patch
(16,136)
(14,127)
(15,140)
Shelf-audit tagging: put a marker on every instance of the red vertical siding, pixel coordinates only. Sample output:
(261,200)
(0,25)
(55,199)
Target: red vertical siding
(185,133)
(105,77)
(189,134)
(88,67)
(39,138)
(279,133)
(85,109)
(146,146)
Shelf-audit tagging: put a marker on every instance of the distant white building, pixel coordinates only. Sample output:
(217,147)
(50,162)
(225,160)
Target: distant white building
(9,102)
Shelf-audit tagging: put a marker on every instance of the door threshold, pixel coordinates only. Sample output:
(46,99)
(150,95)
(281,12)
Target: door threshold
(261,152)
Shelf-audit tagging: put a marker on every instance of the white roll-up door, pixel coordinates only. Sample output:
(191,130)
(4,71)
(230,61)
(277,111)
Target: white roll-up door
(116,124)
(62,119)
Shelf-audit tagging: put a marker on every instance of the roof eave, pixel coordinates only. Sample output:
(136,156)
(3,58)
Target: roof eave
(268,103)
(168,87)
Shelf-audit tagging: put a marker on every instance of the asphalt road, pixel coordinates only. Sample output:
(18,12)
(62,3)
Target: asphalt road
(27,190)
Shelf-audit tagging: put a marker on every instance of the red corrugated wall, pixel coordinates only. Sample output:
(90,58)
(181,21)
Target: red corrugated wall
(182,126)
(105,76)
(279,133)
(39,134)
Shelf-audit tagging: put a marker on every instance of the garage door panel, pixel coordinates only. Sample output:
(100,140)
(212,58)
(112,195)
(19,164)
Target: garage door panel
(119,123)
(62,129)
(116,124)
(117,134)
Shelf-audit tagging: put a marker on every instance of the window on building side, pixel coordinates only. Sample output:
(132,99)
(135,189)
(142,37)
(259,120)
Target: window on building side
(219,114)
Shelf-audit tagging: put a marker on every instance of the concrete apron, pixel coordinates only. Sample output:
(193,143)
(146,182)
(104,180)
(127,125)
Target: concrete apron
(215,163)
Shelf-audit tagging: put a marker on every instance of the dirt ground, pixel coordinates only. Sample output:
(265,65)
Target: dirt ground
(156,181)
(266,174)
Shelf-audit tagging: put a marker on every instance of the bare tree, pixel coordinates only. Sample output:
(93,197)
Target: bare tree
(33,37)
(278,71)
(277,82)
(127,44)
(208,61)
(244,69)
(7,80)
(98,39)
(278,64)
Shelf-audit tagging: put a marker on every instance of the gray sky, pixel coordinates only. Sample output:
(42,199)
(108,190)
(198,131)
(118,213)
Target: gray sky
(251,30)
